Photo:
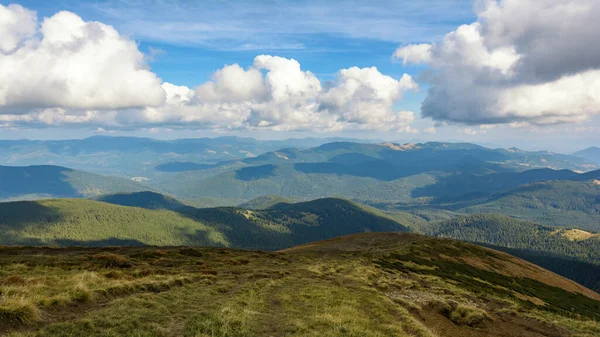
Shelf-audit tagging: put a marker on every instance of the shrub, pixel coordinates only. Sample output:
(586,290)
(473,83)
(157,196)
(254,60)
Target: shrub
(110,260)
(443,307)
(468,315)
(154,253)
(15,309)
(81,294)
(190,252)
(460,314)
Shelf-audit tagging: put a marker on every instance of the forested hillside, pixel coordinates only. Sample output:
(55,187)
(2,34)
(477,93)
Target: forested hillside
(406,173)
(67,222)
(554,248)
(557,203)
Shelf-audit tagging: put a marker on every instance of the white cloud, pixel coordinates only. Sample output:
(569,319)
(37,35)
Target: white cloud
(233,84)
(68,72)
(285,98)
(365,97)
(70,63)
(523,61)
(16,24)
(414,53)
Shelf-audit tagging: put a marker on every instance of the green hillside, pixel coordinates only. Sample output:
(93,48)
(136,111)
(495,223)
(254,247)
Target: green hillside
(66,222)
(36,182)
(367,285)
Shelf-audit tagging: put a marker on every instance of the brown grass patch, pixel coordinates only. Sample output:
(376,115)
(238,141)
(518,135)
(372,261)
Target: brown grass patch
(110,260)
(18,309)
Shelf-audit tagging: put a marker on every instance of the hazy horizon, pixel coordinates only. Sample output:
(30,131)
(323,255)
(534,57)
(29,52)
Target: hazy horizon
(469,71)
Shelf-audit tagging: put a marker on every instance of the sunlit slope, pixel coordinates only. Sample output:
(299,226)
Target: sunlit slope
(368,285)
(92,223)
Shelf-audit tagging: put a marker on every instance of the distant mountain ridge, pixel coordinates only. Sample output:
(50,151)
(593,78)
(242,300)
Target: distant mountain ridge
(47,181)
(385,171)
(134,156)
(592,154)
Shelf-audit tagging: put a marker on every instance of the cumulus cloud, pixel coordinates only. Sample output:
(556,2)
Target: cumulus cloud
(68,63)
(16,24)
(275,93)
(523,61)
(65,71)
(414,53)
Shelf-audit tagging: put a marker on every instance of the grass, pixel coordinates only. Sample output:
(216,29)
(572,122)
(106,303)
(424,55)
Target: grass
(17,309)
(191,291)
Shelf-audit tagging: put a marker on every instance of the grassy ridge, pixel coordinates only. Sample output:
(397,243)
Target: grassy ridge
(362,285)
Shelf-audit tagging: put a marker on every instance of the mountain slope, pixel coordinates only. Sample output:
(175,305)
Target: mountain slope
(368,285)
(557,203)
(91,223)
(591,154)
(65,222)
(376,172)
(552,248)
(266,201)
(28,182)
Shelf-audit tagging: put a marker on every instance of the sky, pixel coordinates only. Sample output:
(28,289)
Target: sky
(522,73)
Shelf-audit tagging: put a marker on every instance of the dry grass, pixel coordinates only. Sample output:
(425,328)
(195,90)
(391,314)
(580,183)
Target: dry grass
(18,309)
(216,293)
(111,260)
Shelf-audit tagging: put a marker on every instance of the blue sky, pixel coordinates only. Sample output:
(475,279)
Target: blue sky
(186,42)
(323,49)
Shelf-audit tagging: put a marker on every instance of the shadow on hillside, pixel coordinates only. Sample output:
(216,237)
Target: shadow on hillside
(112,241)
(377,169)
(463,190)
(20,214)
(183,166)
(53,180)
(255,172)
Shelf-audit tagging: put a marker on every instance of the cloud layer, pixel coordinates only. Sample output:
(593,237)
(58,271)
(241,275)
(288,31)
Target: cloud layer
(522,61)
(65,71)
